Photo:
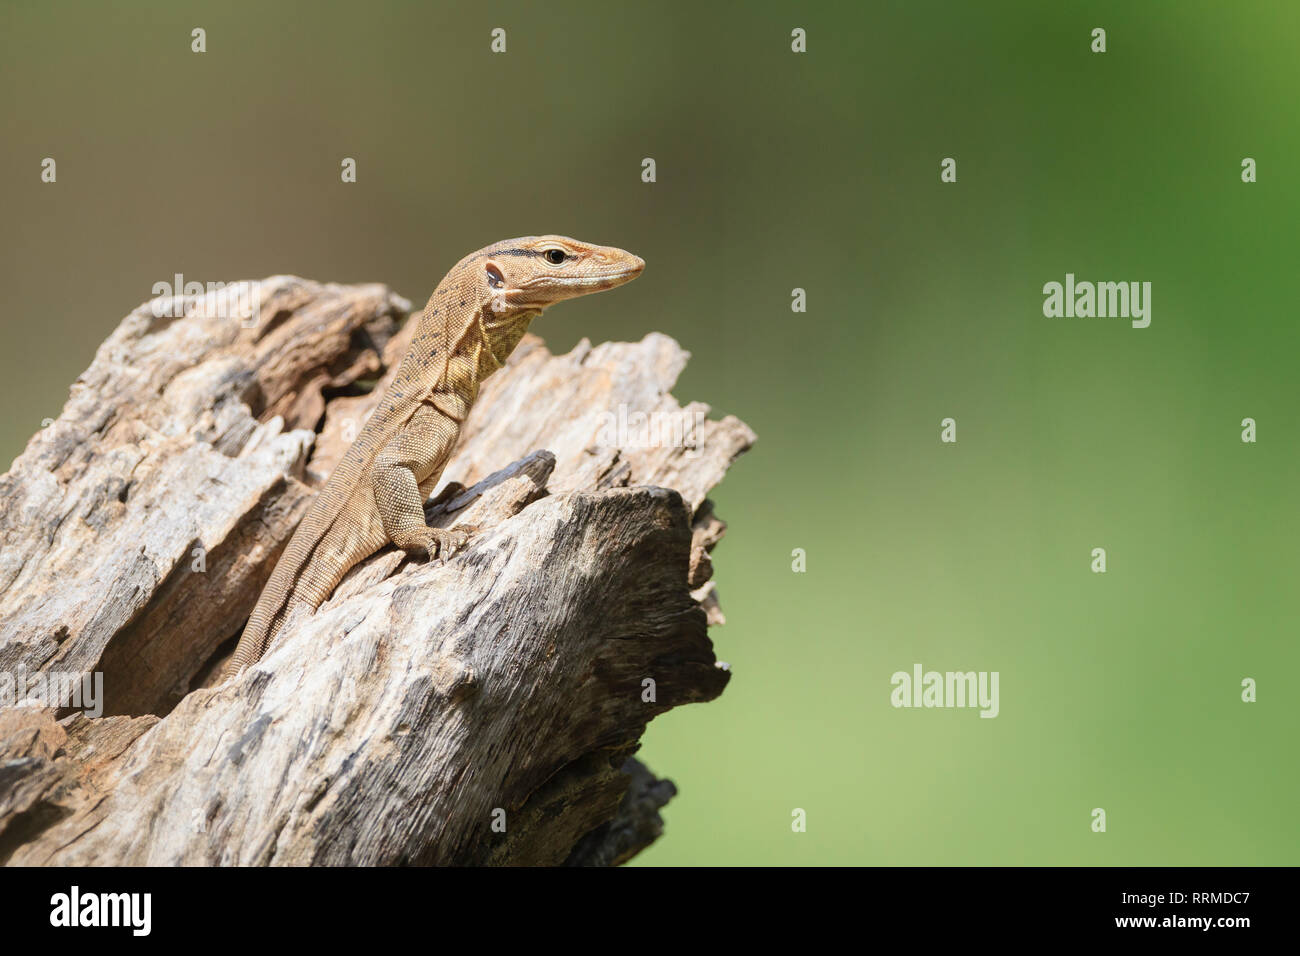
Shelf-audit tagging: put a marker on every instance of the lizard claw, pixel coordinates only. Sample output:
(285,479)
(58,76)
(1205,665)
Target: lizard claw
(454,539)
(439,544)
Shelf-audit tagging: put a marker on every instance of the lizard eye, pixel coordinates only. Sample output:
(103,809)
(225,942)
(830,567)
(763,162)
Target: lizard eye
(554,256)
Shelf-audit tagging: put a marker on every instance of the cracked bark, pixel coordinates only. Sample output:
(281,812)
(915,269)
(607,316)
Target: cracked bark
(423,702)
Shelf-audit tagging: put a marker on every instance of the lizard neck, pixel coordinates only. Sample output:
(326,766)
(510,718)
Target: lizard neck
(481,350)
(499,335)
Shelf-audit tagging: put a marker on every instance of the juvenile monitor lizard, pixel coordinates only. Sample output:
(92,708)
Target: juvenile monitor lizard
(376,493)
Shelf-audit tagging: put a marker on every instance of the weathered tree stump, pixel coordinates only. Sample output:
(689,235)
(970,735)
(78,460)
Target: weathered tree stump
(424,701)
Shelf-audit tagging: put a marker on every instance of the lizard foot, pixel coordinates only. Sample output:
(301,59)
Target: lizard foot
(437,543)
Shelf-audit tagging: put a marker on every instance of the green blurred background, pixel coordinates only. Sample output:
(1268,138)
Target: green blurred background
(820,171)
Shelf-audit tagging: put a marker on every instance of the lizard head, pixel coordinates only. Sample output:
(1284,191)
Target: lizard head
(534,272)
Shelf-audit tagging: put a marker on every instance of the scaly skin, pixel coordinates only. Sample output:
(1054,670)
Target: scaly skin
(472,323)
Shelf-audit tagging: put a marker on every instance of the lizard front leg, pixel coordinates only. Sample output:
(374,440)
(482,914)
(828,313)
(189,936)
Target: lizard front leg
(418,451)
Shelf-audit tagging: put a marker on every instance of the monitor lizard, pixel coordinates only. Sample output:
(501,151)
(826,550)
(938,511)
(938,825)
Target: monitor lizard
(376,493)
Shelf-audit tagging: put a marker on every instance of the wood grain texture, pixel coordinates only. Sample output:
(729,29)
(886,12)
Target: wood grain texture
(423,700)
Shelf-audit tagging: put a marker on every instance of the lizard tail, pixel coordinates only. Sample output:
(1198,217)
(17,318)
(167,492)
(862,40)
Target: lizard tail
(275,600)
(260,630)
(296,583)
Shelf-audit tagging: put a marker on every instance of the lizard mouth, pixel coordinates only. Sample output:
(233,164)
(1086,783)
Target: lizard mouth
(624,275)
(599,281)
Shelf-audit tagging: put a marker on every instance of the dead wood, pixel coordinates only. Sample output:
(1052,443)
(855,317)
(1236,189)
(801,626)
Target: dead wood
(423,703)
